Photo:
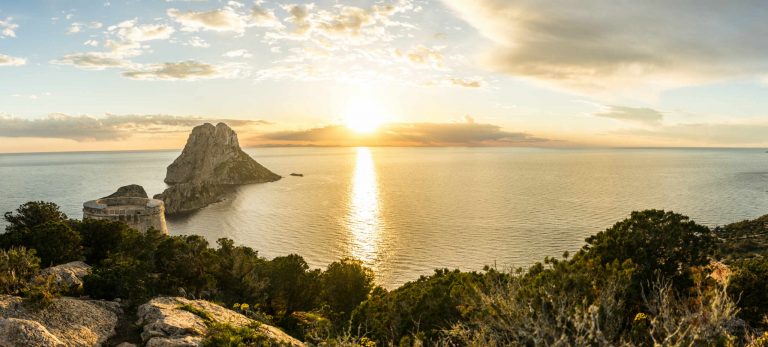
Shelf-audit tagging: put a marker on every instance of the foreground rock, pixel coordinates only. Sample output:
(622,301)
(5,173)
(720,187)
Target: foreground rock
(66,322)
(210,164)
(69,275)
(167,323)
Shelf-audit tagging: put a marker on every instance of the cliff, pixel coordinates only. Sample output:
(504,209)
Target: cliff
(211,163)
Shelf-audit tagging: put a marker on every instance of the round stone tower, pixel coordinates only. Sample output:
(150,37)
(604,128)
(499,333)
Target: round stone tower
(139,213)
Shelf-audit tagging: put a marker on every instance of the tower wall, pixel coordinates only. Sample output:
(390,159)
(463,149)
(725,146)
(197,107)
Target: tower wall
(138,213)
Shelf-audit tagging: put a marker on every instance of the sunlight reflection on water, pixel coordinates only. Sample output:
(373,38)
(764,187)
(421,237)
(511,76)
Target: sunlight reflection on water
(364,214)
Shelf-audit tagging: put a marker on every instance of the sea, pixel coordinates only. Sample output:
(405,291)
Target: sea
(407,211)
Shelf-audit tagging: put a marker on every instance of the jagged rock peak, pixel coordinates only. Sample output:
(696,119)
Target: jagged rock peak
(210,164)
(129,191)
(213,155)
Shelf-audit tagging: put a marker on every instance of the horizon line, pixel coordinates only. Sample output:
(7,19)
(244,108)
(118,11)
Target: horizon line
(582,147)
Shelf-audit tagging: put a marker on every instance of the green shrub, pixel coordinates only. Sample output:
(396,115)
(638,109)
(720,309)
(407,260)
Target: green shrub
(17,268)
(226,335)
(344,285)
(749,287)
(42,291)
(55,243)
(197,312)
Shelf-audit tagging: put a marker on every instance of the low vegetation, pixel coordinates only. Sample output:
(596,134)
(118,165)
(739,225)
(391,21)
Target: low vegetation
(655,278)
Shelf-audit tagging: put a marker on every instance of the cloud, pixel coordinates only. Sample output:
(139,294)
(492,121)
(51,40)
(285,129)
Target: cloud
(77,27)
(130,31)
(185,70)
(231,17)
(7,60)
(110,127)
(641,115)
(265,18)
(421,55)
(225,19)
(594,46)
(240,53)
(352,44)
(197,42)
(124,40)
(92,61)
(8,29)
(409,134)
(451,81)
(350,24)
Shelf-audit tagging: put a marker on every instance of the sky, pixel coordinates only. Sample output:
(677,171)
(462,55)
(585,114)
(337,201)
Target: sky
(127,75)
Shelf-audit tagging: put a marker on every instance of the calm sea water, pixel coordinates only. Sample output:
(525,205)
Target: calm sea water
(406,211)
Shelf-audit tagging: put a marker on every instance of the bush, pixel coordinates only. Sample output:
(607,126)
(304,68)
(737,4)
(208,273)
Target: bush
(428,305)
(749,287)
(226,335)
(292,286)
(17,268)
(27,217)
(659,244)
(55,242)
(345,284)
(42,291)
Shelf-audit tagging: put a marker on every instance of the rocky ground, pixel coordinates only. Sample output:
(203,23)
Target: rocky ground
(66,322)
(75,322)
(174,321)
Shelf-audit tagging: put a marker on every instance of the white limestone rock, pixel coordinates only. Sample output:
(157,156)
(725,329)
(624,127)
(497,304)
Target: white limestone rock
(66,322)
(69,275)
(166,324)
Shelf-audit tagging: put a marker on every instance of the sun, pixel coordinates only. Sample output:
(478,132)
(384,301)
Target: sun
(364,116)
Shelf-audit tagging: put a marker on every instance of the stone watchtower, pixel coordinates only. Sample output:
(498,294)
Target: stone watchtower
(131,206)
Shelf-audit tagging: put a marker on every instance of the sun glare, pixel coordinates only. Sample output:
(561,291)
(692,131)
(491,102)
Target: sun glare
(364,116)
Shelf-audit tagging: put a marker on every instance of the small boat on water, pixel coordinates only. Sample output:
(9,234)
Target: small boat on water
(297,174)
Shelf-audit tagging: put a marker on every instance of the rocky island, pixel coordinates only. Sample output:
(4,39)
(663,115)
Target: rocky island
(211,164)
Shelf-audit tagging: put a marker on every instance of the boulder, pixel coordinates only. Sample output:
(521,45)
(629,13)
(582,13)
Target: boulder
(69,275)
(211,162)
(65,322)
(16,332)
(169,321)
(129,191)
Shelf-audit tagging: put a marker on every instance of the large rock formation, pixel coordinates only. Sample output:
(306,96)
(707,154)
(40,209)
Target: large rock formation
(210,164)
(66,322)
(173,321)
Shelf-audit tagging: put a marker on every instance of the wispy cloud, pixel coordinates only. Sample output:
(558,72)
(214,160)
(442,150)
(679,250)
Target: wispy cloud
(641,115)
(77,27)
(230,18)
(591,46)
(7,27)
(7,60)
(409,134)
(107,128)
(186,70)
